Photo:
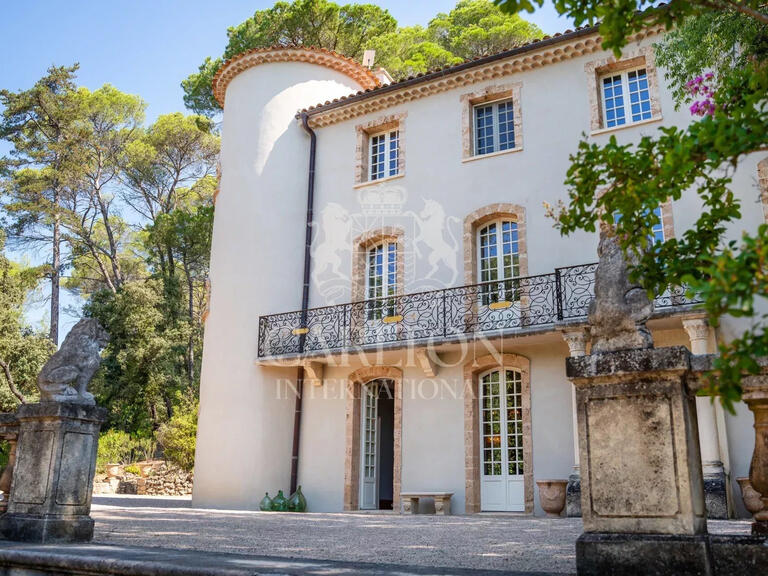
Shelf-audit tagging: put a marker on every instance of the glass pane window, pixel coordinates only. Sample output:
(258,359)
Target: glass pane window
(498,261)
(384,155)
(626,98)
(501,422)
(494,127)
(381,280)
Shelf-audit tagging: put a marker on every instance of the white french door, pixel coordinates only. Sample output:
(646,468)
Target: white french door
(499,266)
(369,448)
(502,486)
(381,281)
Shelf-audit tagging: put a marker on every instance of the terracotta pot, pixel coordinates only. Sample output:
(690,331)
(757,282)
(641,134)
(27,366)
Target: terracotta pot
(145,468)
(114,470)
(552,496)
(751,497)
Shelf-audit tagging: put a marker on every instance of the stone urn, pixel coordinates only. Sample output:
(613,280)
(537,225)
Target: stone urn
(114,470)
(145,468)
(751,497)
(552,496)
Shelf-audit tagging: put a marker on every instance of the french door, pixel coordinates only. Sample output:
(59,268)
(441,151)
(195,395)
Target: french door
(369,448)
(499,266)
(502,486)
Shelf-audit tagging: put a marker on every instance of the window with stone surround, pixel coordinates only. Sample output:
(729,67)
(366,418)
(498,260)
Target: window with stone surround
(494,127)
(491,121)
(380,150)
(624,92)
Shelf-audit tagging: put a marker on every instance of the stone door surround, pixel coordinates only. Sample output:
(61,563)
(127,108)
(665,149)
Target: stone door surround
(472,455)
(355,381)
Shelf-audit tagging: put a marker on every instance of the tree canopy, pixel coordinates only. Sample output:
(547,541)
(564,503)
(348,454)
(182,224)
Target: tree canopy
(716,62)
(473,28)
(127,211)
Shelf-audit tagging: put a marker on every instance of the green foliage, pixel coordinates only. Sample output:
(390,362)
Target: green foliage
(23,350)
(716,57)
(132,469)
(178,436)
(476,28)
(620,18)
(115,447)
(473,28)
(144,449)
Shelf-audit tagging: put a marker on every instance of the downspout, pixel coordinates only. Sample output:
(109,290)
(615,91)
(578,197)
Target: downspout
(304,300)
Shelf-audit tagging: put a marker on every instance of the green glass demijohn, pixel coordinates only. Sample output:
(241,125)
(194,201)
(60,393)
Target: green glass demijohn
(266,503)
(279,502)
(297,502)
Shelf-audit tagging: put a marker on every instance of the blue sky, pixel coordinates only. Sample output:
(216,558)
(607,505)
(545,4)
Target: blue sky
(146,47)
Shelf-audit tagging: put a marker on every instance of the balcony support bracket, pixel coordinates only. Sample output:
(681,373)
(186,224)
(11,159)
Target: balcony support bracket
(426,359)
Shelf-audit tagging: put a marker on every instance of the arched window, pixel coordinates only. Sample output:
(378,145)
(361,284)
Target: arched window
(381,280)
(498,260)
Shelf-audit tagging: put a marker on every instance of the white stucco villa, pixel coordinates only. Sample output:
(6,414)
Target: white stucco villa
(429,339)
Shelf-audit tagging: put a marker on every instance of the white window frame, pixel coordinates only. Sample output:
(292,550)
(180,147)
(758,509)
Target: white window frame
(494,104)
(626,97)
(379,306)
(489,294)
(504,425)
(388,171)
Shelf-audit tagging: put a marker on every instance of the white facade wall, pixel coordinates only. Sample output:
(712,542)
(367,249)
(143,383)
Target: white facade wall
(245,431)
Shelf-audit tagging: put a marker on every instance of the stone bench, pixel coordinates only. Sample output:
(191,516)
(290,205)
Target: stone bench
(411,501)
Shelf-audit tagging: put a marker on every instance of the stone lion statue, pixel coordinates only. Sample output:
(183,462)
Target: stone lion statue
(66,375)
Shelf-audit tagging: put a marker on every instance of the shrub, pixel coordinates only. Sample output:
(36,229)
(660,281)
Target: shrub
(177,437)
(132,469)
(115,447)
(144,449)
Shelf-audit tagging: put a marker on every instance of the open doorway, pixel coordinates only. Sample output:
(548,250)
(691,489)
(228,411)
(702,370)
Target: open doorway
(377,445)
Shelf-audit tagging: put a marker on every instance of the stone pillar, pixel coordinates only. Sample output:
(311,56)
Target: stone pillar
(576,339)
(53,478)
(642,493)
(715,480)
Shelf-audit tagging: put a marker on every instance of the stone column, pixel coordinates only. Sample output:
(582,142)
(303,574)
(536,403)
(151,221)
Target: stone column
(53,478)
(715,480)
(576,339)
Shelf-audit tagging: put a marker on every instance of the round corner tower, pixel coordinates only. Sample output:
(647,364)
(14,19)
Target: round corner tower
(245,427)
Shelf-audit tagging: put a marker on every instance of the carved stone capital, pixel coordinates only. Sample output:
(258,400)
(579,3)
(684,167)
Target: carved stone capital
(577,340)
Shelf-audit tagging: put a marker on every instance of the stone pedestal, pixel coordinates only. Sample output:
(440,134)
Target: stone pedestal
(640,467)
(50,498)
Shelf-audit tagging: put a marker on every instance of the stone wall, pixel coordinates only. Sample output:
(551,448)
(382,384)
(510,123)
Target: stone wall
(164,480)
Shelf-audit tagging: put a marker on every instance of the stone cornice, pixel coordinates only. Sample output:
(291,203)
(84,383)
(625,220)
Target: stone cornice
(320,56)
(528,57)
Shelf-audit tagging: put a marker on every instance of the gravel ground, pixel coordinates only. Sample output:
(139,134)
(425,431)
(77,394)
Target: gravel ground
(484,541)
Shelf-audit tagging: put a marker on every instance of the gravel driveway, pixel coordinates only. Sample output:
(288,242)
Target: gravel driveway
(484,541)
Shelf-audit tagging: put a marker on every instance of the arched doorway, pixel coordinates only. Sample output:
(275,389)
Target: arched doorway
(377,427)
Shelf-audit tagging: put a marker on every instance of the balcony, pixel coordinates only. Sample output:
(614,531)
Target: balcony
(527,304)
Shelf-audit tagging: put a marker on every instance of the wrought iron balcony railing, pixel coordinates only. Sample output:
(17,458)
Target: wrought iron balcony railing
(447,314)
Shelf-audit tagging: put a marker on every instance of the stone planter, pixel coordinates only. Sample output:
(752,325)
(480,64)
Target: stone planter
(552,496)
(751,497)
(145,468)
(114,470)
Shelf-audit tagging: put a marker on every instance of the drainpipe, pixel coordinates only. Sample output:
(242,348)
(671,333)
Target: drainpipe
(304,300)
